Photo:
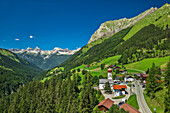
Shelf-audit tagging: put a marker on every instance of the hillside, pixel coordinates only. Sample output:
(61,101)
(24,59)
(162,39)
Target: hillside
(151,40)
(14,71)
(109,28)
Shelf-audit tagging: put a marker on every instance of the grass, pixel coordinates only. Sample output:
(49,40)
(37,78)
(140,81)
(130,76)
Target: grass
(149,19)
(111,60)
(147,63)
(133,101)
(47,78)
(3,67)
(152,103)
(119,97)
(131,71)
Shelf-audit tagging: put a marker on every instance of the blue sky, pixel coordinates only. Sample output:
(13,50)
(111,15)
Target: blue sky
(61,23)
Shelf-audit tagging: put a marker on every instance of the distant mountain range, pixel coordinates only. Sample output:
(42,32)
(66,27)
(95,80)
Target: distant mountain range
(45,59)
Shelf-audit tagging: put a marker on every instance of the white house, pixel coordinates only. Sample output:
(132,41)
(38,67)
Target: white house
(119,90)
(128,78)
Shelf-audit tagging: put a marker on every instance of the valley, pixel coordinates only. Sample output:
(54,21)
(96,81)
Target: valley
(124,68)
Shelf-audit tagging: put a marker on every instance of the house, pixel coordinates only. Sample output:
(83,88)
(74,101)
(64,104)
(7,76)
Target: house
(111,66)
(102,83)
(129,108)
(162,70)
(105,105)
(144,77)
(138,75)
(119,90)
(117,67)
(118,78)
(128,78)
(123,71)
(87,66)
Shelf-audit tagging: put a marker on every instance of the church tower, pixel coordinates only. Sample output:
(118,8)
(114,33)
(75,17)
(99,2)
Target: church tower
(110,73)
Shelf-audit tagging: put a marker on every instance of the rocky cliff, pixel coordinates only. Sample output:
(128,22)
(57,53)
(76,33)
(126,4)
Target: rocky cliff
(109,28)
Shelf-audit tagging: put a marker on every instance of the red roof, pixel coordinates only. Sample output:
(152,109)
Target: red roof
(120,75)
(145,75)
(162,69)
(122,70)
(119,86)
(106,103)
(129,108)
(159,81)
(109,70)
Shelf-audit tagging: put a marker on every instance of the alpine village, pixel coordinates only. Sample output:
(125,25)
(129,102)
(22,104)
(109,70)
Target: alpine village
(124,68)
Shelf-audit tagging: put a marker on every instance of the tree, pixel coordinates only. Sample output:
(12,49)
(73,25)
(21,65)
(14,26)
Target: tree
(115,109)
(101,76)
(84,71)
(102,66)
(152,83)
(167,74)
(96,80)
(158,70)
(167,83)
(147,71)
(78,70)
(73,71)
(107,88)
(117,71)
(167,101)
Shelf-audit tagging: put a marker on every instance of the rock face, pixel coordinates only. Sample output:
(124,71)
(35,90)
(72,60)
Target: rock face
(45,59)
(109,28)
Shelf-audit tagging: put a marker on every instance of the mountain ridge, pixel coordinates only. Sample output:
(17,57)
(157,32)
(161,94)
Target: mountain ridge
(109,28)
(45,59)
(56,50)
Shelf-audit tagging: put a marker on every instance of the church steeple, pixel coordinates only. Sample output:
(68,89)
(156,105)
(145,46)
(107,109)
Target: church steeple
(109,73)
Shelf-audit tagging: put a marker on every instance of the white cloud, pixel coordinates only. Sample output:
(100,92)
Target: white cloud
(17,39)
(31,36)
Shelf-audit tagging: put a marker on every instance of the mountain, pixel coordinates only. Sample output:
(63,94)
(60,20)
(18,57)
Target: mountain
(14,71)
(45,59)
(147,38)
(70,91)
(109,28)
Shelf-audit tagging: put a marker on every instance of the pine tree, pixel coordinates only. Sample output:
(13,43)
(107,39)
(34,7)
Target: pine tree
(167,101)
(107,87)
(167,74)
(167,83)
(152,83)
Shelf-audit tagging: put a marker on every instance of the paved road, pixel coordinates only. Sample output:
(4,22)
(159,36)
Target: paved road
(143,107)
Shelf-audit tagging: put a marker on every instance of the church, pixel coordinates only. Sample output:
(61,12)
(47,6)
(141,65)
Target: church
(109,79)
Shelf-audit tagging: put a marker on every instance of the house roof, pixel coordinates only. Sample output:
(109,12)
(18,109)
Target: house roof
(106,103)
(103,81)
(119,86)
(120,76)
(129,108)
(122,70)
(145,75)
(162,69)
(128,76)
